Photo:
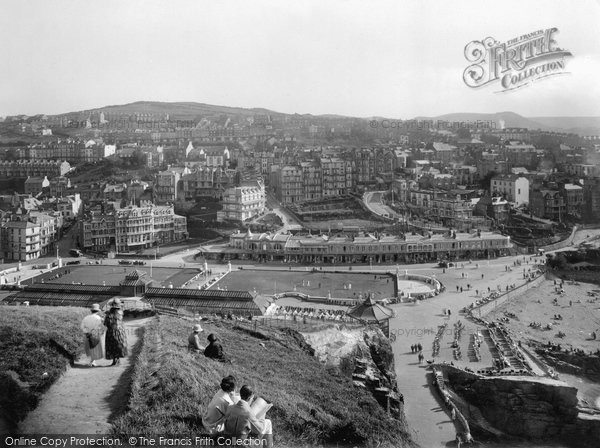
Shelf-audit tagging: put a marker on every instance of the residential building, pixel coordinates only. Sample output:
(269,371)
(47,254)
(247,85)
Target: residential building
(337,176)
(167,185)
(591,200)
(573,200)
(242,203)
(35,185)
(548,203)
(69,206)
(582,170)
(287,184)
(208,182)
(312,178)
(20,241)
(33,168)
(216,156)
(49,224)
(114,192)
(513,187)
(27,237)
(59,186)
(493,207)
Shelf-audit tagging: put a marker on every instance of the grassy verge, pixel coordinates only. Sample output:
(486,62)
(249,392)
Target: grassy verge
(313,405)
(36,343)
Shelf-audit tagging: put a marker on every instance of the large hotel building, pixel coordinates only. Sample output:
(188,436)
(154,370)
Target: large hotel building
(130,229)
(365,248)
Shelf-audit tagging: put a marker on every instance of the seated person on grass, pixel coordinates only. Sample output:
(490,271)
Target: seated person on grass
(194,340)
(241,420)
(214,349)
(213,418)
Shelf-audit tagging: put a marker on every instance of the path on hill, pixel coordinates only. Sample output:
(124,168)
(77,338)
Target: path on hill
(86,399)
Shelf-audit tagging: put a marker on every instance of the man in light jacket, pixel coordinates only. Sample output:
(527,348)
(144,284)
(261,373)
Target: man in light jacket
(240,420)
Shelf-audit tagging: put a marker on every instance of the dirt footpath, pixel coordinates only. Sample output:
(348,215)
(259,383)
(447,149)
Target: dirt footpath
(86,399)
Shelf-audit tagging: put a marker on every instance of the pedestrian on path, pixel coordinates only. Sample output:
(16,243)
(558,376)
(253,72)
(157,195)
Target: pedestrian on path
(453,413)
(93,330)
(116,337)
(419,347)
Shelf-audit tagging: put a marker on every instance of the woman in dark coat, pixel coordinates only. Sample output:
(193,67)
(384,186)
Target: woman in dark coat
(214,349)
(116,338)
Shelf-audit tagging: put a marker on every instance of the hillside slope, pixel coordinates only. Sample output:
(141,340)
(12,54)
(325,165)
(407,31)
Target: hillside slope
(313,405)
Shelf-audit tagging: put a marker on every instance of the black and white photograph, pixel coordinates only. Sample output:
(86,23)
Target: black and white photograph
(300,224)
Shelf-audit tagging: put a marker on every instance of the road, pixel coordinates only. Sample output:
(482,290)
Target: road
(374,202)
(430,424)
(289,222)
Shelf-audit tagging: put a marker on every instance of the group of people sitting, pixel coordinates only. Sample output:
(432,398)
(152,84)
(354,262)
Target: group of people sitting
(238,415)
(539,325)
(458,328)
(438,338)
(213,350)
(476,345)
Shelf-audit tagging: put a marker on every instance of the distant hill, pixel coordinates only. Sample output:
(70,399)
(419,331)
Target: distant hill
(510,119)
(177,109)
(579,125)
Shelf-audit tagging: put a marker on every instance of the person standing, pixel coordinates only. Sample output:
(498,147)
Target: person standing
(93,330)
(116,338)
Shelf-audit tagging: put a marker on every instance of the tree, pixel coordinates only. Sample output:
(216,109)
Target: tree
(484,182)
(463,133)
(11,154)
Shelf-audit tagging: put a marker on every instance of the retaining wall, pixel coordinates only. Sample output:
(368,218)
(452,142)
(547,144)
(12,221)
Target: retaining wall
(485,308)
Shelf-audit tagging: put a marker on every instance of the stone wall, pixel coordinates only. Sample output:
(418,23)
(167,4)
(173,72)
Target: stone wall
(533,409)
(573,363)
(485,308)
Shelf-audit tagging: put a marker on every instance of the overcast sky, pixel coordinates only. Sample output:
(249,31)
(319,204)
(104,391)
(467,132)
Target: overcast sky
(398,59)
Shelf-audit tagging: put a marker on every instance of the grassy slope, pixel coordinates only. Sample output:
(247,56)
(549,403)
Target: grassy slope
(313,405)
(34,341)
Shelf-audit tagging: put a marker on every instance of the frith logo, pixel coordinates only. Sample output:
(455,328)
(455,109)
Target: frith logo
(515,63)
